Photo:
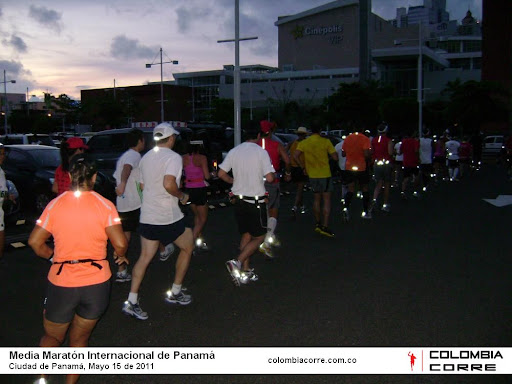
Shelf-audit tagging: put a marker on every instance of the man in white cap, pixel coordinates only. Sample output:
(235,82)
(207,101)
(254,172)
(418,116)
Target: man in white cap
(251,165)
(161,219)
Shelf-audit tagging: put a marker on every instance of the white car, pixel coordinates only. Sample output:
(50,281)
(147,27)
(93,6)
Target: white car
(493,144)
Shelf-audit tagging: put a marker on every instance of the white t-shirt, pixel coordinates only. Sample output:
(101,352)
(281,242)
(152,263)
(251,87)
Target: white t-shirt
(452,150)
(426,150)
(341,160)
(250,163)
(398,157)
(158,206)
(130,200)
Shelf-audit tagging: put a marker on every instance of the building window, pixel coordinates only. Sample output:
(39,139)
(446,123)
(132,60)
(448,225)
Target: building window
(472,46)
(464,64)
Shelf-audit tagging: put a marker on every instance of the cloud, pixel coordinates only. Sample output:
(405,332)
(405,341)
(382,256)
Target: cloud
(13,68)
(124,48)
(46,17)
(187,15)
(17,43)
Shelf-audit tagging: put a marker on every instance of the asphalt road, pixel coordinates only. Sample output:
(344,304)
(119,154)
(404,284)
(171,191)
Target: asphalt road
(434,272)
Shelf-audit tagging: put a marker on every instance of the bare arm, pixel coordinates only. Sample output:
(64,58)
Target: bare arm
(334,156)
(172,188)
(204,167)
(224,176)
(55,188)
(37,241)
(298,159)
(118,240)
(125,174)
(390,148)
(269,177)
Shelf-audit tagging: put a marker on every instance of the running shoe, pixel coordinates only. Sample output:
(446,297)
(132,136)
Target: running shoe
(386,208)
(302,209)
(266,249)
(366,215)
(233,267)
(345,214)
(180,298)
(123,276)
(134,310)
(403,196)
(326,231)
(294,211)
(201,244)
(271,239)
(415,194)
(318,227)
(169,249)
(249,276)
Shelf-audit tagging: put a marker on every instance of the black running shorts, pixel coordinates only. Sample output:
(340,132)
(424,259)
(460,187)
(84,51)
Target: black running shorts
(89,302)
(251,218)
(130,220)
(197,196)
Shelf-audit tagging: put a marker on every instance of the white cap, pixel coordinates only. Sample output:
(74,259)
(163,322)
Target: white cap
(163,131)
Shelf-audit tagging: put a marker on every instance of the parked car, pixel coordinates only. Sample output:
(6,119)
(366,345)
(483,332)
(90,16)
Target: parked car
(32,170)
(493,144)
(107,146)
(26,138)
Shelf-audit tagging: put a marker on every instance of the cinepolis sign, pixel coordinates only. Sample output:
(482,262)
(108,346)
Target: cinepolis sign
(301,31)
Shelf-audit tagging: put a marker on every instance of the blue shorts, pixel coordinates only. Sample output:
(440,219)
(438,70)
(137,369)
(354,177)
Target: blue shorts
(166,234)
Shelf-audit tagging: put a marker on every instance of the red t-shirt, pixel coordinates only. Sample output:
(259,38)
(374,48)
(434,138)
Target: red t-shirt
(465,150)
(380,148)
(410,148)
(272,148)
(63,180)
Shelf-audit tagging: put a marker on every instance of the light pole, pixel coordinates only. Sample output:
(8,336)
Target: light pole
(420,77)
(5,100)
(161,63)
(236,83)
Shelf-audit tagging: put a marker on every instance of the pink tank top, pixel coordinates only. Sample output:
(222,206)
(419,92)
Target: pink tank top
(194,177)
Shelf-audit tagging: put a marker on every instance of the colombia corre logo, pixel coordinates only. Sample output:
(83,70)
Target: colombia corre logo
(412,359)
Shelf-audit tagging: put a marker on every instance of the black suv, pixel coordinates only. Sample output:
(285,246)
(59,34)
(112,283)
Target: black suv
(107,146)
(32,170)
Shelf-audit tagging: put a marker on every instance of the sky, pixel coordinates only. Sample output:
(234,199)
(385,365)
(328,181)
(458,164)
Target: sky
(63,46)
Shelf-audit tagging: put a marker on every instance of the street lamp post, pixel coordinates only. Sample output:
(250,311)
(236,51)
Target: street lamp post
(5,100)
(236,85)
(420,83)
(161,63)
(420,77)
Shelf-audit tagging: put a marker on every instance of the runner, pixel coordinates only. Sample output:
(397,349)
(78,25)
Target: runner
(357,150)
(426,156)
(452,158)
(398,163)
(410,148)
(382,152)
(195,169)
(277,153)
(4,193)
(78,290)
(298,176)
(250,165)
(68,149)
(342,160)
(465,156)
(315,164)
(161,220)
(128,200)
(440,158)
